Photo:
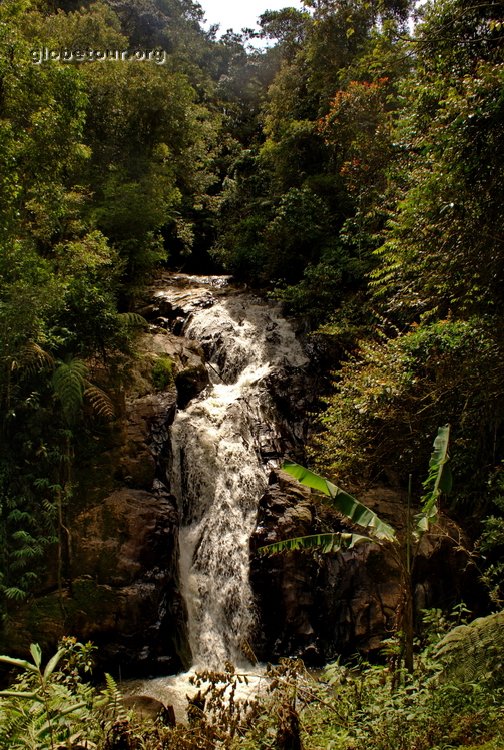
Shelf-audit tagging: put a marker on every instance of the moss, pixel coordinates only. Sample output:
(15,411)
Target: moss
(162,372)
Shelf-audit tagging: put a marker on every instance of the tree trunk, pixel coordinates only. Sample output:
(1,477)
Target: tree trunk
(407,622)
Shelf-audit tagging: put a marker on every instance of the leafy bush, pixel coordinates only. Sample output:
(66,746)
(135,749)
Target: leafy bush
(398,388)
(49,705)
(490,545)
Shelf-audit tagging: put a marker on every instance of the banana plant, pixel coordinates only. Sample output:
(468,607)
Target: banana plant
(439,480)
(346,504)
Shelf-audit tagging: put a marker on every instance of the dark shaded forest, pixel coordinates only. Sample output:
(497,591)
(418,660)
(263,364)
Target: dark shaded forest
(352,167)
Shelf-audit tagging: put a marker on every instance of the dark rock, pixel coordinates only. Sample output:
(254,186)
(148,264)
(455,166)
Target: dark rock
(190,382)
(123,592)
(150,708)
(317,606)
(283,584)
(120,574)
(146,431)
(125,538)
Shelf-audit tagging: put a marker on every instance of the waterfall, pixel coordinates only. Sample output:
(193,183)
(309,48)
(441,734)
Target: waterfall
(219,447)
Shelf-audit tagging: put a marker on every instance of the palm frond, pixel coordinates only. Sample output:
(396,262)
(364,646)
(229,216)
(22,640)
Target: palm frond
(439,480)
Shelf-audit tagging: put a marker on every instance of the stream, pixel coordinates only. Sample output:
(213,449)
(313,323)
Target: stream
(222,447)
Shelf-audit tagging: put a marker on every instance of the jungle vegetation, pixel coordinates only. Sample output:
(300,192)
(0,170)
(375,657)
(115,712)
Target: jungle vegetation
(352,168)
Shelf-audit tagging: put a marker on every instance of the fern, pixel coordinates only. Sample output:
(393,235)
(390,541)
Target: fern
(474,651)
(114,699)
(69,380)
(100,402)
(44,705)
(132,319)
(33,358)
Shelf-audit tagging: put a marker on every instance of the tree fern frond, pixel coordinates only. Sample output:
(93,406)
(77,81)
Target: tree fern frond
(132,319)
(475,650)
(33,358)
(100,402)
(330,542)
(69,380)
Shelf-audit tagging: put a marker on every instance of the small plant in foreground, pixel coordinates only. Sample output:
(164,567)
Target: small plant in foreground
(50,705)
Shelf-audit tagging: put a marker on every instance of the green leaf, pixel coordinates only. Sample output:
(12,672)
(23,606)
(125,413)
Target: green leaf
(20,694)
(438,461)
(19,663)
(331,542)
(346,504)
(69,709)
(53,663)
(36,652)
(439,480)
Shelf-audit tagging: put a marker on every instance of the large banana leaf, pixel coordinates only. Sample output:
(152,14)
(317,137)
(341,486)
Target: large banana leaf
(439,480)
(335,542)
(346,504)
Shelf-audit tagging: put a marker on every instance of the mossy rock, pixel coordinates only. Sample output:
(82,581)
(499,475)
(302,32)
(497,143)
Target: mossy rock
(162,372)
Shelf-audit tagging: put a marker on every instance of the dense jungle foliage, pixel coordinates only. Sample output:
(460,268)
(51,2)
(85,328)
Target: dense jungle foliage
(353,168)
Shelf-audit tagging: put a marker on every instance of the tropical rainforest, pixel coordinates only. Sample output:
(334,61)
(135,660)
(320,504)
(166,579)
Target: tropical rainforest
(348,160)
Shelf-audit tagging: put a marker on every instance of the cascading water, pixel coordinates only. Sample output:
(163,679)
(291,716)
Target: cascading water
(221,444)
(218,475)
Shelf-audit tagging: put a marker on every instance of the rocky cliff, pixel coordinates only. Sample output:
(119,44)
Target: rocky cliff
(317,606)
(120,580)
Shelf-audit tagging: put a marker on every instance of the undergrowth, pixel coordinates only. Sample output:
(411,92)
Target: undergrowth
(353,706)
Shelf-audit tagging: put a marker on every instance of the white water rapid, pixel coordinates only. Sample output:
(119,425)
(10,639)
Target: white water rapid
(221,444)
(218,468)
